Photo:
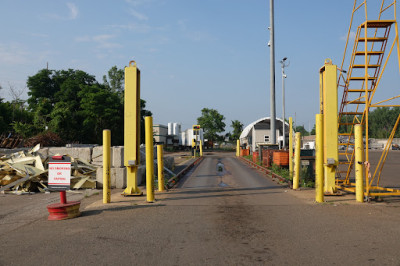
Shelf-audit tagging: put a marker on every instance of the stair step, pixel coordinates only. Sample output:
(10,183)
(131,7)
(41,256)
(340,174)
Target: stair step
(362,78)
(345,134)
(359,90)
(363,66)
(348,124)
(377,23)
(346,144)
(351,113)
(354,102)
(369,53)
(372,39)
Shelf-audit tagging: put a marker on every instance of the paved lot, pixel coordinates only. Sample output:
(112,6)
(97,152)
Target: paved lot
(233,217)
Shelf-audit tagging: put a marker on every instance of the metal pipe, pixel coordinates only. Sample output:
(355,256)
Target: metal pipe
(106,166)
(296,176)
(359,154)
(272,73)
(160,166)
(149,158)
(283,106)
(319,159)
(291,147)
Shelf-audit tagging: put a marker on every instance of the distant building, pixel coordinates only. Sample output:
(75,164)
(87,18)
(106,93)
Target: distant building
(259,132)
(308,142)
(160,133)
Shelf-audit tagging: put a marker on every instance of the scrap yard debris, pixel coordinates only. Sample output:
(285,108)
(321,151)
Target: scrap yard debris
(28,172)
(46,139)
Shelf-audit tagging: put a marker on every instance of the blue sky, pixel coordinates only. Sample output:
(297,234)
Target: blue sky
(192,54)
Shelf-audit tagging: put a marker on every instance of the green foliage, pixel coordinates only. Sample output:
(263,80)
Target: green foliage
(282,172)
(75,106)
(212,122)
(25,130)
(381,122)
(313,130)
(302,131)
(237,129)
(115,79)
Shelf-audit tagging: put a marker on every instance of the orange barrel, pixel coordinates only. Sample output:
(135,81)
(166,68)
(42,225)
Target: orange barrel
(244,152)
(281,158)
(255,156)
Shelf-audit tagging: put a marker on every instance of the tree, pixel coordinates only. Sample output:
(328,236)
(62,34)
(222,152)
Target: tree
(212,122)
(101,109)
(115,79)
(313,130)
(237,129)
(302,130)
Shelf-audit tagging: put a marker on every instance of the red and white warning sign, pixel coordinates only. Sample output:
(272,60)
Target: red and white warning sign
(59,173)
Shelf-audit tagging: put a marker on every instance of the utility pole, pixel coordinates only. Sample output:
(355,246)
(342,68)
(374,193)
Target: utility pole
(283,100)
(272,72)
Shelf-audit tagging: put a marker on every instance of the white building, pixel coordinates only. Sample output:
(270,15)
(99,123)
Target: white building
(259,132)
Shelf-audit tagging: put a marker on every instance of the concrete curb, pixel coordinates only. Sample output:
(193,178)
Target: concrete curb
(174,180)
(264,170)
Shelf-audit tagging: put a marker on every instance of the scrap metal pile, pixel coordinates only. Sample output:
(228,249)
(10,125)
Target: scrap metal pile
(28,172)
(46,139)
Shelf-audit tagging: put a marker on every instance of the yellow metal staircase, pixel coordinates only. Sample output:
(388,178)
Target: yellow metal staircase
(359,84)
(374,42)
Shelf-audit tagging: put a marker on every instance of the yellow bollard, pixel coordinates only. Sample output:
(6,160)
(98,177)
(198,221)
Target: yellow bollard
(359,162)
(296,176)
(319,159)
(291,147)
(132,129)
(194,148)
(201,148)
(160,164)
(237,148)
(106,166)
(148,120)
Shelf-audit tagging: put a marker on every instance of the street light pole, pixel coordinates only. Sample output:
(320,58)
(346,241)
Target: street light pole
(283,65)
(272,73)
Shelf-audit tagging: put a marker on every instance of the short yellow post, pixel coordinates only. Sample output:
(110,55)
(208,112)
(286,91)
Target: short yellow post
(296,176)
(291,147)
(319,159)
(148,124)
(194,148)
(106,166)
(237,148)
(359,162)
(201,148)
(160,164)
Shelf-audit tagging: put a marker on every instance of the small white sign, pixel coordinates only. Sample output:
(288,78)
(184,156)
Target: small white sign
(59,175)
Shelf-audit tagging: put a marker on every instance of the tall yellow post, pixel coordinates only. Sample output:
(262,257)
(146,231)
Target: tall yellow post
(160,164)
(132,129)
(106,166)
(296,176)
(359,162)
(328,88)
(291,147)
(201,148)
(237,148)
(319,159)
(148,122)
